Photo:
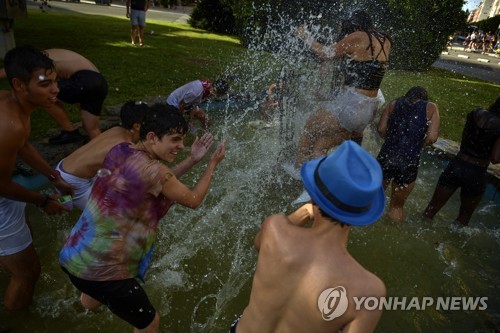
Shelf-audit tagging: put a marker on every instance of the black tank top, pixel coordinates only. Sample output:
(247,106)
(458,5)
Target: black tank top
(366,74)
(138,4)
(481,130)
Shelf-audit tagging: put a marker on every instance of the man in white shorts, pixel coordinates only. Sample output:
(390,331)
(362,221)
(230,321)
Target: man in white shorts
(32,77)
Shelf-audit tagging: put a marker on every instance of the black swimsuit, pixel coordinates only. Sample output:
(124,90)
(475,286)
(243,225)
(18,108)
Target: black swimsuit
(366,74)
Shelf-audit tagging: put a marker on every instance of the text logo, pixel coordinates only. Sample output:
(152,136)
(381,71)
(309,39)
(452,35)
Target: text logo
(332,302)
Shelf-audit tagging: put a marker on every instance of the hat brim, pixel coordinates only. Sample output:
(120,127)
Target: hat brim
(358,219)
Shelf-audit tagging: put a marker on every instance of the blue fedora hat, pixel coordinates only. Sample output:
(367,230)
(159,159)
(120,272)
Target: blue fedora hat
(346,185)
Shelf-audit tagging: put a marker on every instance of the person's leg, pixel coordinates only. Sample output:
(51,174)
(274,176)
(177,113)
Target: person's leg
(467,206)
(89,302)
(151,328)
(90,124)
(399,194)
(439,199)
(322,131)
(25,269)
(60,115)
(141,34)
(133,33)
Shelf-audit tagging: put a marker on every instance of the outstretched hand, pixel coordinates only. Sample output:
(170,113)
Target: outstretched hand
(219,153)
(201,146)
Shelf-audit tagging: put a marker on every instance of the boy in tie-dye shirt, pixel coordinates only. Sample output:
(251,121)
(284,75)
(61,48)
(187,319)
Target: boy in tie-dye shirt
(112,242)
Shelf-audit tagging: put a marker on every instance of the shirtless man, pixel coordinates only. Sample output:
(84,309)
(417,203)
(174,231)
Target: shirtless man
(32,78)
(80,167)
(298,266)
(79,83)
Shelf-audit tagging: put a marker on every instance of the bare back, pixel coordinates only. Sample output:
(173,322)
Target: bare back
(358,46)
(68,62)
(295,266)
(87,160)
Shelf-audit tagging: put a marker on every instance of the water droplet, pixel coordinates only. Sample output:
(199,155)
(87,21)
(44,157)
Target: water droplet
(103,172)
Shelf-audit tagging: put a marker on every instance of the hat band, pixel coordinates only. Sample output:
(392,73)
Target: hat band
(332,198)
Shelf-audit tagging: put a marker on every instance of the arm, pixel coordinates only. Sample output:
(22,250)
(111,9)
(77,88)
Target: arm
(31,156)
(127,4)
(3,75)
(336,50)
(495,154)
(434,123)
(176,191)
(148,5)
(384,119)
(199,149)
(10,189)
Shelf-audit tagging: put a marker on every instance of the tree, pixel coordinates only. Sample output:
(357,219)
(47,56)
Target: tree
(213,15)
(419,28)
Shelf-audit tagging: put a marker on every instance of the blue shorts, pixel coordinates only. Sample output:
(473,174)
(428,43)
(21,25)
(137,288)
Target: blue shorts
(138,17)
(125,298)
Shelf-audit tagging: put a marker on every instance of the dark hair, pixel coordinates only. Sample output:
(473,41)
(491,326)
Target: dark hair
(132,112)
(358,21)
(416,93)
(221,86)
(20,62)
(334,220)
(495,107)
(162,119)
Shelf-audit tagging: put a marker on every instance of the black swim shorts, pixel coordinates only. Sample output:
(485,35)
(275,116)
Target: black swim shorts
(471,178)
(88,88)
(125,298)
(403,171)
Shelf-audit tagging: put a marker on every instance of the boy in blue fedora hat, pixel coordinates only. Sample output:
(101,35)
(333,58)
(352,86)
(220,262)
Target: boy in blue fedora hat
(305,279)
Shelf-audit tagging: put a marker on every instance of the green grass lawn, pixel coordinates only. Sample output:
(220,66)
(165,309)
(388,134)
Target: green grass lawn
(176,54)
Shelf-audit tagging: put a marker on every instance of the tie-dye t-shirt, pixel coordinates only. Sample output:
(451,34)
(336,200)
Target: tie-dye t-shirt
(113,237)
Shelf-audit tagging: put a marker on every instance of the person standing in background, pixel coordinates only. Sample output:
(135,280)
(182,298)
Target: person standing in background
(136,11)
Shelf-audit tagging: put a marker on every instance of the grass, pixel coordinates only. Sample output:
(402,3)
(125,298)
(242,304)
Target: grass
(176,54)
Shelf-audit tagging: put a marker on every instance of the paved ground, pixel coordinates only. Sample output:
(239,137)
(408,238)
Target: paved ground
(482,66)
(116,9)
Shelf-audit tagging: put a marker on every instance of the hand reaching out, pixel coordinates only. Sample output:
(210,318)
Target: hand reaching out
(201,146)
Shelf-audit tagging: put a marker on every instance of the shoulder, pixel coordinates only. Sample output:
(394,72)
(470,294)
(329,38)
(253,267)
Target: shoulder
(275,222)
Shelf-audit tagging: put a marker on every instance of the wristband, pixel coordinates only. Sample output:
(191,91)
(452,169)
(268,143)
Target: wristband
(53,176)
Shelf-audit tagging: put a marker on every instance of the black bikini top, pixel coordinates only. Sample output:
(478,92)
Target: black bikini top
(366,74)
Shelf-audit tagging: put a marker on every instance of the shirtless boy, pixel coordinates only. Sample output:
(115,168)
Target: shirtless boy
(297,266)
(32,78)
